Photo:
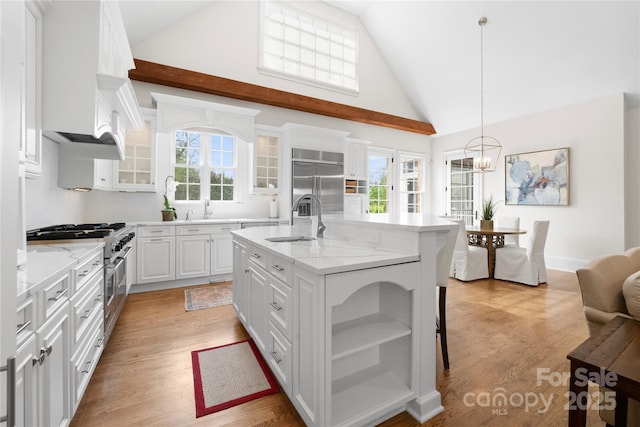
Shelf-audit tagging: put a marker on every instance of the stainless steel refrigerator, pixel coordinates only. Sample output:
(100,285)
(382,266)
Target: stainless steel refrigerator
(320,173)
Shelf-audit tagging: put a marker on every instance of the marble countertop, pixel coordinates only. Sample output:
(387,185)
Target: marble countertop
(47,260)
(325,255)
(211,221)
(409,222)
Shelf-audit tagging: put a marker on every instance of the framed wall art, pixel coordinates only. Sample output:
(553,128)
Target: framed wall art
(537,178)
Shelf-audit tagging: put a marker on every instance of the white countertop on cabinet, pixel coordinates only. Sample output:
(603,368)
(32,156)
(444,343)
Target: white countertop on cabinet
(211,221)
(325,255)
(46,260)
(407,222)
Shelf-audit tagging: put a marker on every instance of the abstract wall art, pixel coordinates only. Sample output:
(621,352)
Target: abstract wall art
(537,178)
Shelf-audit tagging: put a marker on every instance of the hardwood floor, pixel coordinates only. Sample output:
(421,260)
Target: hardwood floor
(500,335)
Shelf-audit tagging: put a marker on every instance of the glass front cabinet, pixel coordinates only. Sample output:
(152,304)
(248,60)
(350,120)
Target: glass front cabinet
(266,160)
(137,172)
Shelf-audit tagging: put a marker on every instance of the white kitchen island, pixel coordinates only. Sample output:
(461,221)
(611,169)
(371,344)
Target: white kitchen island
(346,322)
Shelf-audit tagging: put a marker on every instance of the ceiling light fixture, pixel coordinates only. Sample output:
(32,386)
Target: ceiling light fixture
(484,149)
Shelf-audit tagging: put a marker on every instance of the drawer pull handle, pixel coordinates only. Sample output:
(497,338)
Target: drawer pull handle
(275,357)
(194,231)
(84,273)
(86,314)
(59,294)
(256,256)
(98,262)
(88,367)
(276,306)
(277,267)
(99,343)
(41,356)
(23,326)
(156,231)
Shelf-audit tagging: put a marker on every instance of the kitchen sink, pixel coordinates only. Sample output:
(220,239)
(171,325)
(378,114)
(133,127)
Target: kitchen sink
(290,239)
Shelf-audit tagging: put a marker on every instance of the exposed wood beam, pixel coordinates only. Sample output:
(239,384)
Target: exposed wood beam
(166,75)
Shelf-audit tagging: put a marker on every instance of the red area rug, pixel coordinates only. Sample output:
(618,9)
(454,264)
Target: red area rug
(229,375)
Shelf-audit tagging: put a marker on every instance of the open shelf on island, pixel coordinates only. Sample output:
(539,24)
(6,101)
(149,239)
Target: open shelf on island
(366,391)
(365,332)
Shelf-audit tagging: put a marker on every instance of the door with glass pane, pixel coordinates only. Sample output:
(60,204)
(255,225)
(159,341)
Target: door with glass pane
(462,188)
(380,181)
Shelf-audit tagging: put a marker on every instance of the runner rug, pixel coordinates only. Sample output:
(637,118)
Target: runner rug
(206,297)
(229,375)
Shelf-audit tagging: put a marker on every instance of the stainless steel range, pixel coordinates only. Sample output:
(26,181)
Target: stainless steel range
(118,243)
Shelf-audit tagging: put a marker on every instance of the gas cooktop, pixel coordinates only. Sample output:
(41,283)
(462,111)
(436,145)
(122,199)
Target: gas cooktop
(74,231)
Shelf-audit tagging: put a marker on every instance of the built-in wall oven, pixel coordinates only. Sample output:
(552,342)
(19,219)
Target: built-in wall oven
(118,241)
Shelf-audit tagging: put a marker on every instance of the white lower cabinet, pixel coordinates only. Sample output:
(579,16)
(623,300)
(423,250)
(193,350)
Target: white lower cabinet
(240,282)
(26,382)
(343,346)
(156,254)
(53,371)
(192,256)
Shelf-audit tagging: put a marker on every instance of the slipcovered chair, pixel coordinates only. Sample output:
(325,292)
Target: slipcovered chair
(469,262)
(610,287)
(443,266)
(509,222)
(524,265)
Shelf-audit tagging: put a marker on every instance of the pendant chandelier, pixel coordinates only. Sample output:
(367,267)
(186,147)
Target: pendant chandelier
(484,149)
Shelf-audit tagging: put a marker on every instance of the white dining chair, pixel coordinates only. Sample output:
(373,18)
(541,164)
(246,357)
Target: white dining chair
(509,222)
(443,266)
(524,265)
(469,262)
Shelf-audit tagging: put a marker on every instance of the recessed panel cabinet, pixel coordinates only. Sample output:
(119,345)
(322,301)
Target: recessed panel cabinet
(156,254)
(137,171)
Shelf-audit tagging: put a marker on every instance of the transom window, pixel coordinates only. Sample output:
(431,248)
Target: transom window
(308,47)
(204,165)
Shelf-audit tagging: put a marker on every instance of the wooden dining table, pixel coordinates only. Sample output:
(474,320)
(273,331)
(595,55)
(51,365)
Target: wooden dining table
(491,239)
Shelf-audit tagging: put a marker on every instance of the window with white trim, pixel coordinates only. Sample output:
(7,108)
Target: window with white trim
(204,165)
(380,181)
(309,48)
(411,183)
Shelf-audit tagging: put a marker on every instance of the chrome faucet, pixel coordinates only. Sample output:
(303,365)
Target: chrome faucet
(207,210)
(294,208)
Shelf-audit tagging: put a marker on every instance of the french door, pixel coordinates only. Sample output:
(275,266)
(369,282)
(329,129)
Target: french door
(462,188)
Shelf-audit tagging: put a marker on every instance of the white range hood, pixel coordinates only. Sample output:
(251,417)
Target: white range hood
(87,97)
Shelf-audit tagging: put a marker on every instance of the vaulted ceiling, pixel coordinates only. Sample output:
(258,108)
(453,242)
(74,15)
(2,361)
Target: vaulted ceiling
(538,55)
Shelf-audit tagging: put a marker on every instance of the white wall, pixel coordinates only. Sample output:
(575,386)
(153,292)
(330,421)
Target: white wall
(223,39)
(46,203)
(632,177)
(593,223)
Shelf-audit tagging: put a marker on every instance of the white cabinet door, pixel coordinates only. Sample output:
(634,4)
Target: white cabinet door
(32,146)
(221,254)
(102,174)
(267,160)
(192,256)
(26,385)
(53,370)
(240,282)
(156,259)
(137,171)
(356,160)
(258,294)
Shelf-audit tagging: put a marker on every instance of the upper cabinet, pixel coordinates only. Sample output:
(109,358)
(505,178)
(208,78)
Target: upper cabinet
(355,162)
(137,171)
(31,144)
(267,160)
(87,97)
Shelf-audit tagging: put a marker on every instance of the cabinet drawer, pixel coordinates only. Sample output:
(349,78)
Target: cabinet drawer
(53,296)
(83,271)
(279,358)
(185,230)
(279,300)
(25,320)
(84,305)
(164,230)
(259,256)
(85,360)
(280,268)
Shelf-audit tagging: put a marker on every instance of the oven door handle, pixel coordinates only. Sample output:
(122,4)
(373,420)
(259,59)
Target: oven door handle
(126,252)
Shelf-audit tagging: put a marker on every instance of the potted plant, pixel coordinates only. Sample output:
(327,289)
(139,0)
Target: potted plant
(169,212)
(488,211)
